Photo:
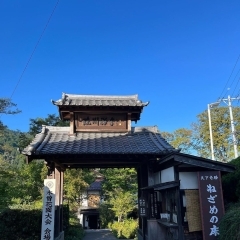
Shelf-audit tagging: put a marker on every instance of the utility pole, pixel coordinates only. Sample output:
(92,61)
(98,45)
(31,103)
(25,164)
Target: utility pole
(228,101)
(211,105)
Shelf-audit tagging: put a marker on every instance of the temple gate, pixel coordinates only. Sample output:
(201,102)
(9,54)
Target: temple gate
(100,135)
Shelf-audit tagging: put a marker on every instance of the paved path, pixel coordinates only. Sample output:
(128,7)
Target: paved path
(99,234)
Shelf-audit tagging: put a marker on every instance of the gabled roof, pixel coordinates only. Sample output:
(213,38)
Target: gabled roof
(99,100)
(185,162)
(95,186)
(56,140)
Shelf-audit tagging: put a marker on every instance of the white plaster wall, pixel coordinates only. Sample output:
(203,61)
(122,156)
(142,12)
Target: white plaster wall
(84,201)
(188,180)
(157,178)
(81,219)
(167,175)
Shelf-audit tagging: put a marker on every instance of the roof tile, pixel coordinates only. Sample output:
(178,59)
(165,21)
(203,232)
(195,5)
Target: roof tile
(56,140)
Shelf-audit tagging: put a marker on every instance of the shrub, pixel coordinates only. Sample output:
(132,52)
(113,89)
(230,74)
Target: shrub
(74,233)
(126,229)
(106,214)
(229,226)
(24,223)
(75,230)
(17,224)
(231,183)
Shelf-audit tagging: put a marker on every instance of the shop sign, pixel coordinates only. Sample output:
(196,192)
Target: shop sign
(142,207)
(211,203)
(101,121)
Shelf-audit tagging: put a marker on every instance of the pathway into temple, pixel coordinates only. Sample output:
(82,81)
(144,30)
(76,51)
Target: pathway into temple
(99,234)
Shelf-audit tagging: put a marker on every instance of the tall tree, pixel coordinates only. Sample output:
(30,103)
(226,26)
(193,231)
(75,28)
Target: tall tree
(6,106)
(50,120)
(121,203)
(180,139)
(221,130)
(125,179)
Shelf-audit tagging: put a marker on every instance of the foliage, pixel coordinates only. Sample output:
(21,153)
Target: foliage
(221,130)
(6,108)
(231,183)
(106,214)
(27,219)
(75,183)
(125,179)
(75,230)
(121,203)
(50,120)
(20,224)
(6,184)
(229,227)
(126,229)
(179,139)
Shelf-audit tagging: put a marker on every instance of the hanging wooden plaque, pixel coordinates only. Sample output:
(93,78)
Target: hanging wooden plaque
(101,122)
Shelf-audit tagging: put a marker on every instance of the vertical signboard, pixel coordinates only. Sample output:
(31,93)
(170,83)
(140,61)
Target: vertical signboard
(48,212)
(211,203)
(152,206)
(142,207)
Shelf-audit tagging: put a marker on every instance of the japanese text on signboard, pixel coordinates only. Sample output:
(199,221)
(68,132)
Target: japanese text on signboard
(211,200)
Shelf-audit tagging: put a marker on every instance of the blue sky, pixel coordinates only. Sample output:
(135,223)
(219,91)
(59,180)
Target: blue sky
(176,54)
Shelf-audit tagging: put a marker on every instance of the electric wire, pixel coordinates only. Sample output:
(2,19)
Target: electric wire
(233,82)
(31,55)
(36,45)
(224,89)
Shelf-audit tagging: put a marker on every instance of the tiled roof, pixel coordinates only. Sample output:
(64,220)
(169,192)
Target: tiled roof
(56,140)
(97,185)
(98,100)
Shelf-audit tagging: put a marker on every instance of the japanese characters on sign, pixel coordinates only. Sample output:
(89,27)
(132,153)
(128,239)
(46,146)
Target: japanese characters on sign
(211,200)
(48,210)
(142,207)
(101,121)
(152,206)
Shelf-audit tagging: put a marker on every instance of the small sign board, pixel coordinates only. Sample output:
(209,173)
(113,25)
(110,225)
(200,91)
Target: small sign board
(142,207)
(100,121)
(211,203)
(48,212)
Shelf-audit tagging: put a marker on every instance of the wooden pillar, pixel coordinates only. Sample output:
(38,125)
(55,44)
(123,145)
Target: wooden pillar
(129,121)
(179,206)
(71,123)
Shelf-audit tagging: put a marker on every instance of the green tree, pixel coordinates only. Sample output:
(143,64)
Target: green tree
(180,139)
(6,106)
(76,182)
(231,183)
(50,120)
(121,203)
(221,130)
(123,178)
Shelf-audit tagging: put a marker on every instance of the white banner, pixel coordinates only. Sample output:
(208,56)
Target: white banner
(48,212)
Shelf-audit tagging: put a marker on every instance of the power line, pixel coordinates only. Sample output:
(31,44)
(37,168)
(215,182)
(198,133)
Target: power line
(39,39)
(224,89)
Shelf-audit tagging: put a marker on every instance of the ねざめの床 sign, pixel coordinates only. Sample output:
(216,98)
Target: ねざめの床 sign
(211,203)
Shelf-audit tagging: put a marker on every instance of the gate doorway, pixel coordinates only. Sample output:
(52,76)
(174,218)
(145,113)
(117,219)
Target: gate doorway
(100,135)
(93,221)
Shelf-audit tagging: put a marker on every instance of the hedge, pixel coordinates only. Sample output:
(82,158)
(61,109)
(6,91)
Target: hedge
(22,224)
